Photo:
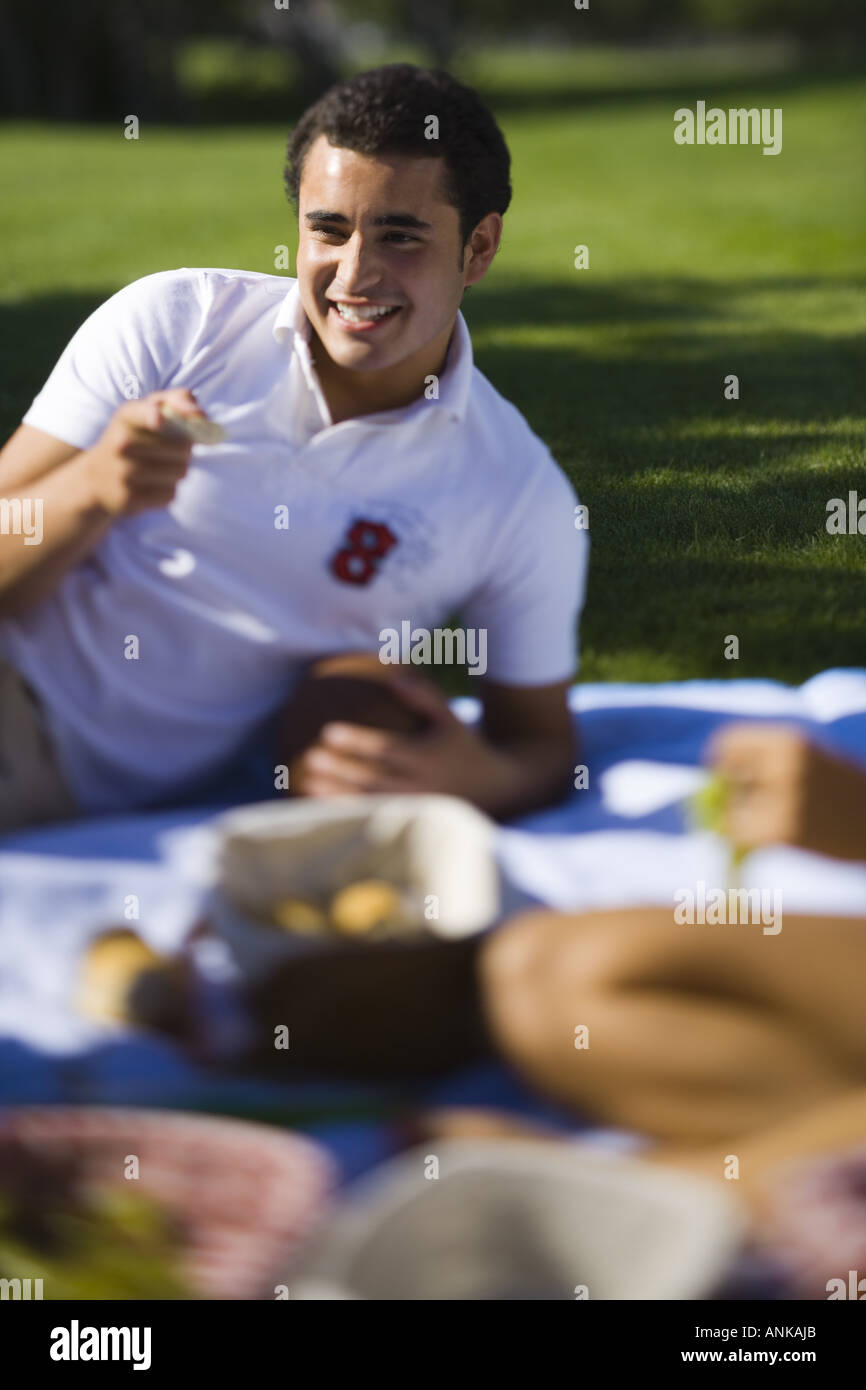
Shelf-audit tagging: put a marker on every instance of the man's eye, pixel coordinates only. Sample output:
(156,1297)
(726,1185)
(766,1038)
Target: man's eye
(339,234)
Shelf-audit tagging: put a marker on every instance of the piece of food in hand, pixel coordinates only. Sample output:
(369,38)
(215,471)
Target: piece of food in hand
(110,970)
(299,915)
(363,907)
(196,427)
(710,803)
(710,806)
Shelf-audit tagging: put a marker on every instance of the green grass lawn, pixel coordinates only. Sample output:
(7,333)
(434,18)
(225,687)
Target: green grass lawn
(707,516)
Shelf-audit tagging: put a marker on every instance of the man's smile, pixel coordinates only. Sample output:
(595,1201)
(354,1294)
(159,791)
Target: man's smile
(362,315)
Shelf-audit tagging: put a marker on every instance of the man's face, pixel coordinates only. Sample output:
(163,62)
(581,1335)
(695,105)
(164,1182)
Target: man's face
(379,256)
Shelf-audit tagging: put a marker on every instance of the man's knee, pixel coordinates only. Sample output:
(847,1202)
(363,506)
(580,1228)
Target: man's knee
(537,973)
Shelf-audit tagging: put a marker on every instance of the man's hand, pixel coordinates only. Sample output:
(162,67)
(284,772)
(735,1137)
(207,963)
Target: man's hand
(786,790)
(135,465)
(141,457)
(448,757)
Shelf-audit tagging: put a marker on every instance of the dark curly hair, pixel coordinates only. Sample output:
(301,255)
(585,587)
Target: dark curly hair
(385,110)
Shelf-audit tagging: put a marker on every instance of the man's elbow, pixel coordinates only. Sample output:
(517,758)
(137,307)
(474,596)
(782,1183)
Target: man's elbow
(560,770)
(548,772)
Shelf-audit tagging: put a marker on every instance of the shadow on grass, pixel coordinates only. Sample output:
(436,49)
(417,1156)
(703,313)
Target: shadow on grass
(33,333)
(608,385)
(680,562)
(694,501)
(665,597)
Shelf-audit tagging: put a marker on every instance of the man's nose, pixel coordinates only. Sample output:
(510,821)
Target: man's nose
(357,268)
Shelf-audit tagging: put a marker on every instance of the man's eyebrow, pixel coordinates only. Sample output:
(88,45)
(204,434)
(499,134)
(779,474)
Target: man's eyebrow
(402,219)
(388,219)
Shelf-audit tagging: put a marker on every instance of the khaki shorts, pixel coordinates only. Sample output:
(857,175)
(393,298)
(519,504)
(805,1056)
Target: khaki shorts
(32,788)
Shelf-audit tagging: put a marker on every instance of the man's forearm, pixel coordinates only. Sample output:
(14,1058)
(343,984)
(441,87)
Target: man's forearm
(50,527)
(526,777)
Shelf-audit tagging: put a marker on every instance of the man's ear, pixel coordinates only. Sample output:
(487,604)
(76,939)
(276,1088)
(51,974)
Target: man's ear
(481,248)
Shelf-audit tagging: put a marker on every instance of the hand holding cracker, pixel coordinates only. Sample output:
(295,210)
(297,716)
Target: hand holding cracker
(782,788)
(142,455)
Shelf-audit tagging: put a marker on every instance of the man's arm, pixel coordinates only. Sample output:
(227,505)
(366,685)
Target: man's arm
(28,455)
(46,479)
(534,729)
(521,760)
(60,501)
(783,789)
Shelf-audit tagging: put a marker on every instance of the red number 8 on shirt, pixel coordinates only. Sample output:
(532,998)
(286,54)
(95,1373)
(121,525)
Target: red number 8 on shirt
(367,543)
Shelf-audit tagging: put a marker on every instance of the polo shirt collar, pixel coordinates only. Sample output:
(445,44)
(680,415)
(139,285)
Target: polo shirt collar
(292,323)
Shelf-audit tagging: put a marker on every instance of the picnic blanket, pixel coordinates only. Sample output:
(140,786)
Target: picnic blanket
(623,839)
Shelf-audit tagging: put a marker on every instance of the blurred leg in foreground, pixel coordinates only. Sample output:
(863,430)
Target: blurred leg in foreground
(689,1034)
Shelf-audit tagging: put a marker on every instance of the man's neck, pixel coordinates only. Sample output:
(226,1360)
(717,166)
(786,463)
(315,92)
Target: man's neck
(351,393)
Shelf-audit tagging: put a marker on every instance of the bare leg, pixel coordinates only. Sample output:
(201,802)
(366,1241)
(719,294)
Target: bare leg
(834,1125)
(694,1034)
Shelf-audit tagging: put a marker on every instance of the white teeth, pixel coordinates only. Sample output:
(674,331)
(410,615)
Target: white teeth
(361,313)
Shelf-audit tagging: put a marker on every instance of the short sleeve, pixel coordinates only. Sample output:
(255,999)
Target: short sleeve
(131,345)
(531,601)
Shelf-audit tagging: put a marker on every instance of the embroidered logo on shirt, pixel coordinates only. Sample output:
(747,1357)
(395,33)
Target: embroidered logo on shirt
(366,544)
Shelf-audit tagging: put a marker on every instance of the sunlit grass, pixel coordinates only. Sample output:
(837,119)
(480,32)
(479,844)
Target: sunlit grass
(706,514)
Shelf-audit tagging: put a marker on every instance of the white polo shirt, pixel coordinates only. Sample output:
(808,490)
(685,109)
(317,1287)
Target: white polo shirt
(165,650)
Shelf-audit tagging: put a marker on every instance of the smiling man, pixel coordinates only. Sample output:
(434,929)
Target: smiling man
(370,477)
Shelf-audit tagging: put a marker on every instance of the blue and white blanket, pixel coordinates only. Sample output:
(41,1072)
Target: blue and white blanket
(624,839)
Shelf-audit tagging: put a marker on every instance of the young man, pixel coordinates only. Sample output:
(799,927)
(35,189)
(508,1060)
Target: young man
(370,477)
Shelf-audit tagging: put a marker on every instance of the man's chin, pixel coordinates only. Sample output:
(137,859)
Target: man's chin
(360,354)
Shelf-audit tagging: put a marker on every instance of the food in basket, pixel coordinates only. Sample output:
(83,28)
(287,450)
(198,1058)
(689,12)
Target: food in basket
(365,906)
(298,915)
(371,908)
